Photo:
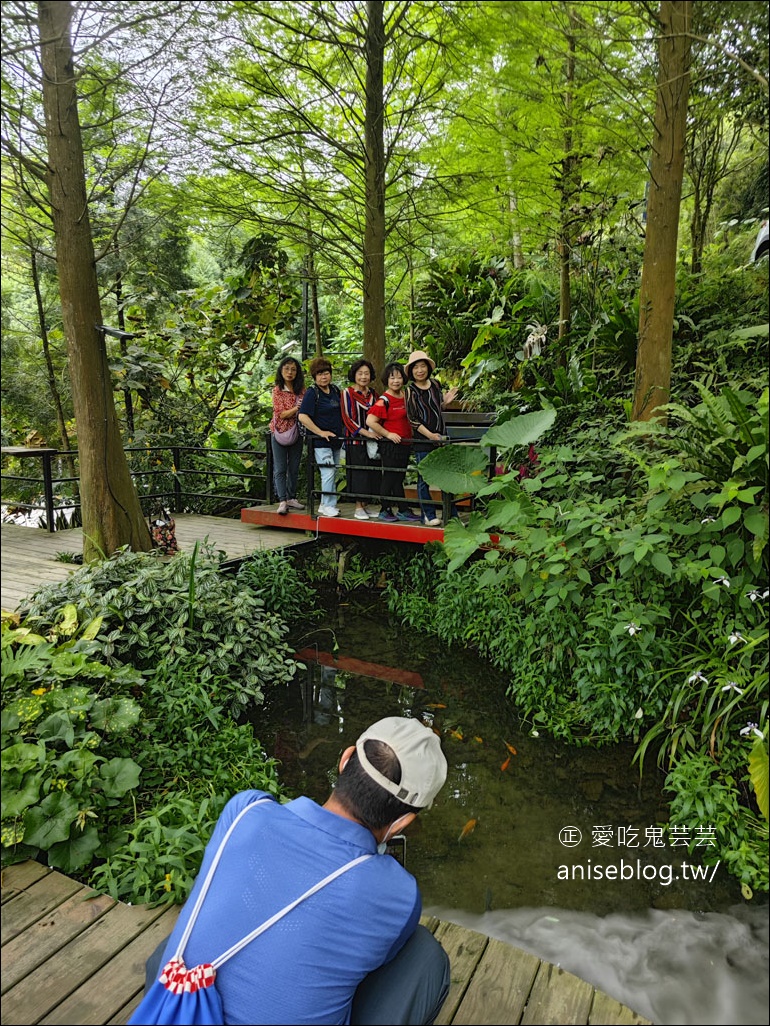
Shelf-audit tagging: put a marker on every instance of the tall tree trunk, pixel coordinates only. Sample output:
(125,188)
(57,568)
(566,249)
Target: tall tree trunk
(657,293)
(569,188)
(374,176)
(112,515)
(123,344)
(513,211)
(313,278)
(64,440)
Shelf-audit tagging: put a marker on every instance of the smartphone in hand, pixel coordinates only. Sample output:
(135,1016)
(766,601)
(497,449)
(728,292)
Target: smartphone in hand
(397,848)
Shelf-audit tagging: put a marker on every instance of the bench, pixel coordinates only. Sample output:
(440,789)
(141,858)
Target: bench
(464,426)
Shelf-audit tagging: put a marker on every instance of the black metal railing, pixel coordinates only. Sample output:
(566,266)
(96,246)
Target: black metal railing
(165,476)
(447,500)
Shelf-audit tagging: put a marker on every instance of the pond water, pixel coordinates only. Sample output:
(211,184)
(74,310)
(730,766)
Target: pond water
(557,850)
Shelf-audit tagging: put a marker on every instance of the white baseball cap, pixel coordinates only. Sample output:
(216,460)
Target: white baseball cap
(418,749)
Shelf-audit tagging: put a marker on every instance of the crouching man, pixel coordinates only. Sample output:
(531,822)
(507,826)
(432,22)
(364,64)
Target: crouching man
(351,950)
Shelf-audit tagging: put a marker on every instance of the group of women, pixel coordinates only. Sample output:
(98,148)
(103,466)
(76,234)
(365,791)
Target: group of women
(377,432)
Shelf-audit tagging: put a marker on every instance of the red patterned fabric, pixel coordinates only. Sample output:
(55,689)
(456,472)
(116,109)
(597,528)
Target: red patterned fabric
(177,978)
(283,401)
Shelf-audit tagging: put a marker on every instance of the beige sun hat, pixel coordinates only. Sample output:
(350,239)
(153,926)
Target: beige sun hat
(418,749)
(415,357)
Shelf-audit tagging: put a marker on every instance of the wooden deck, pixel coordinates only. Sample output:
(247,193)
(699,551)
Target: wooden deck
(72,956)
(29,553)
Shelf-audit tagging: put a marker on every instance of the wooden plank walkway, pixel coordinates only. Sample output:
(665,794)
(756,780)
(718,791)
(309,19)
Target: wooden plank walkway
(72,956)
(29,553)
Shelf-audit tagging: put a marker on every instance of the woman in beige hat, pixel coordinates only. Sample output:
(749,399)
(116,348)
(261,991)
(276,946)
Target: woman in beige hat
(424,403)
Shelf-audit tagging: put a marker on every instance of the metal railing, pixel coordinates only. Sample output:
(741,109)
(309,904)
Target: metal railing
(447,500)
(162,475)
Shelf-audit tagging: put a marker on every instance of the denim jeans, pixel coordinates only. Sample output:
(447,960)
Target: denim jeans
(286,460)
(427,506)
(328,460)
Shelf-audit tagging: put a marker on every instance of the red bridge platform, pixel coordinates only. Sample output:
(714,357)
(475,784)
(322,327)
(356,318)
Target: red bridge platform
(344,524)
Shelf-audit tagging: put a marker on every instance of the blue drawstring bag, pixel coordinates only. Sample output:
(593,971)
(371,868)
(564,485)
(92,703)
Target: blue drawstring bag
(189,997)
(181,997)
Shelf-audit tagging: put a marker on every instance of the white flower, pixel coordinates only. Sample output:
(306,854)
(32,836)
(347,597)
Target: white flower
(732,686)
(632,628)
(752,728)
(698,675)
(754,594)
(638,714)
(708,520)
(723,580)
(735,637)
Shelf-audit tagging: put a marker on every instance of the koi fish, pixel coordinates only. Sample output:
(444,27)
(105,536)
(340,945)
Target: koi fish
(479,739)
(456,735)
(505,765)
(511,749)
(435,705)
(469,827)
(312,745)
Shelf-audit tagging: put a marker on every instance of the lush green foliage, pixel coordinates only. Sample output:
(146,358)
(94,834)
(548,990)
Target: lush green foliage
(120,743)
(62,721)
(167,614)
(273,576)
(623,588)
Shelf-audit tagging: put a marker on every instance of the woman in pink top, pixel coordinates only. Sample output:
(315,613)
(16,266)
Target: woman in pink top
(287,396)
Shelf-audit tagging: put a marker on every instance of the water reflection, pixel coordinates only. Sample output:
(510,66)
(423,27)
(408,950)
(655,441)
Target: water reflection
(676,948)
(551,825)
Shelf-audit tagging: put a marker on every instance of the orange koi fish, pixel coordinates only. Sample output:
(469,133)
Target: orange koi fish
(505,765)
(435,705)
(469,827)
(479,739)
(456,735)
(511,749)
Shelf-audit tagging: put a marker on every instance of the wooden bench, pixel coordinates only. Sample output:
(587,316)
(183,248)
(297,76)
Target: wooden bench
(464,426)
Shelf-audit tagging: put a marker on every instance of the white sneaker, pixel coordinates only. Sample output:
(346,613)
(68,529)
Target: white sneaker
(361,514)
(328,511)
(372,515)
(431,521)
(283,509)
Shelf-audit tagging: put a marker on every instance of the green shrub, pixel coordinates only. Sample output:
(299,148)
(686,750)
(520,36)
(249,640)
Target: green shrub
(157,613)
(63,770)
(120,746)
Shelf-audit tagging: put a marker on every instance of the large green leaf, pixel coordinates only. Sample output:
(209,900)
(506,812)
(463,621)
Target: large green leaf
(50,822)
(16,800)
(58,727)
(119,776)
(78,762)
(759,774)
(460,542)
(457,469)
(22,757)
(76,852)
(523,430)
(22,662)
(115,715)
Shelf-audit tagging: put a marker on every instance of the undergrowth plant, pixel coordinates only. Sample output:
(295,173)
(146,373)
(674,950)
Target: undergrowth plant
(156,613)
(121,692)
(64,772)
(623,589)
